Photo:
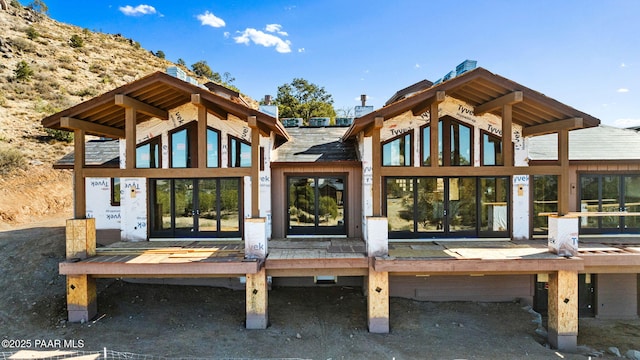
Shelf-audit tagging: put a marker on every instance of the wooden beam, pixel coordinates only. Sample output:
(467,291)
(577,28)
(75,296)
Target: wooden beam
(437,98)
(317,272)
(130,137)
(255,166)
(507,135)
(202,137)
(80,192)
(508,99)
(211,107)
(317,264)
(564,186)
(553,127)
(129,102)
(376,181)
(173,173)
(106,265)
(89,127)
(477,266)
(470,170)
(434,124)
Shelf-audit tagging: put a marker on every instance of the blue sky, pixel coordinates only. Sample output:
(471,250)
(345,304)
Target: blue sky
(583,53)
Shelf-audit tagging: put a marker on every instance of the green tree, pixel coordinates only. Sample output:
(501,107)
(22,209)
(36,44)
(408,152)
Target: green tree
(201,68)
(38,6)
(303,99)
(160,54)
(181,62)
(23,71)
(76,41)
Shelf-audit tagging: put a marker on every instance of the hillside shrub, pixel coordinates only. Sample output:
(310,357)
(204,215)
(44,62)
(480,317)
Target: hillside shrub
(60,135)
(32,33)
(11,159)
(23,71)
(23,45)
(76,41)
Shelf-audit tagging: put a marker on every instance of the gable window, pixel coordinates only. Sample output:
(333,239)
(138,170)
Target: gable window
(397,151)
(455,144)
(239,153)
(183,146)
(213,148)
(491,150)
(148,154)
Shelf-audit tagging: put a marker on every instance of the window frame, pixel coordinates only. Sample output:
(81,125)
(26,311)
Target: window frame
(153,141)
(231,156)
(400,136)
(191,143)
(115,194)
(219,149)
(491,136)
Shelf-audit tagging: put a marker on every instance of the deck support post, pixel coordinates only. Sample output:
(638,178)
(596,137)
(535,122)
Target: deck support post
(257,300)
(378,301)
(81,289)
(563,310)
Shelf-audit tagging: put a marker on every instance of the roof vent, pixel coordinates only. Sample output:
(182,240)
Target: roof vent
(291,122)
(177,72)
(318,121)
(462,68)
(344,121)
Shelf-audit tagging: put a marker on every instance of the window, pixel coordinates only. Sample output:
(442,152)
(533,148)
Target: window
(545,200)
(213,148)
(115,191)
(148,154)
(397,151)
(239,153)
(183,146)
(491,150)
(455,143)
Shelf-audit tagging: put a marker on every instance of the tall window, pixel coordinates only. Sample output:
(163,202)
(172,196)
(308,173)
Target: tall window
(213,148)
(491,150)
(397,151)
(545,200)
(148,154)
(239,153)
(455,143)
(115,191)
(183,145)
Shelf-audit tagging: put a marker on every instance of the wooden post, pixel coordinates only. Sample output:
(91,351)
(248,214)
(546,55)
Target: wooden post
(563,310)
(130,134)
(80,190)
(564,186)
(507,135)
(378,301)
(202,137)
(81,289)
(376,181)
(255,166)
(434,123)
(257,300)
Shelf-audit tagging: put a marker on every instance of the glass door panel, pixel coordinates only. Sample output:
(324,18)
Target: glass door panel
(400,204)
(207,205)
(316,205)
(184,210)
(430,206)
(611,201)
(162,220)
(229,213)
(461,214)
(494,205)
(631,202)
(590,201)
(330,202)
(302,202)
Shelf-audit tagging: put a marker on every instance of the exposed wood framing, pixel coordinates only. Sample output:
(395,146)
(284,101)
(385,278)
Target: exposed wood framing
(507,134)
(81,298)
(508,99)
(89,127)
(376,182)
(434,120)
(552,127)
(130,133)
(317,264)
(172,173)
(470,170)
(80,198)
(438,97)
(378,301)
(563,310)
(80,238)
(107,266)
(477,266)
(257,303)
(211,107)
(202,137)
(564,185)
(317,272)
(255,166)
(129,102)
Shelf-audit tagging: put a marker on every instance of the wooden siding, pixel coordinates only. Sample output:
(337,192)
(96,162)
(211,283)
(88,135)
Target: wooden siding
(279,191)
(617,296)
(464,288)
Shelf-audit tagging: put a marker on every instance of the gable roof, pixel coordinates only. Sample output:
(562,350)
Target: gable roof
(161,91)
(597,143)
(316,144)
(98,153)
(477,87)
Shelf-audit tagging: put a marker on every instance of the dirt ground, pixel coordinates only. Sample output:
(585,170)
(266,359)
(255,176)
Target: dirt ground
(306,323)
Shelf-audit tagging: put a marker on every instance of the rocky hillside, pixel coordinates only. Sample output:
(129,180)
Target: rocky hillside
(47,66)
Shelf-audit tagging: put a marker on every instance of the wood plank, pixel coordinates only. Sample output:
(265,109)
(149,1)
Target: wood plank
(508,99)
(130,136)
(257,293)
(378,301)
(202,145)
(237,268)
(434,123)
(315,263)
(80,191)
(564,182)
(129,102)
(255,166)
(507,135)
(317,271)
(553,127)
(89,127)
(376,182)
(563,310)
(475,266)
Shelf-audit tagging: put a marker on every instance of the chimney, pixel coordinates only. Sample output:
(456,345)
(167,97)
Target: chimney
(363,99)
(267,99)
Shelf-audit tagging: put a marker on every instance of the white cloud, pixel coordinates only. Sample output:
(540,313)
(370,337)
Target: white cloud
(625,123)
(623,90)
(138,10)
(209,19)
(623,65)
(275,28)
(417,66)
(301,50)
(226,34)
(261,38)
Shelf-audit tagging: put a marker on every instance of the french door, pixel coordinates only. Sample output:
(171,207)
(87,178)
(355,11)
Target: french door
(316,205)
(610,193)
(195,208)
(447,206)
